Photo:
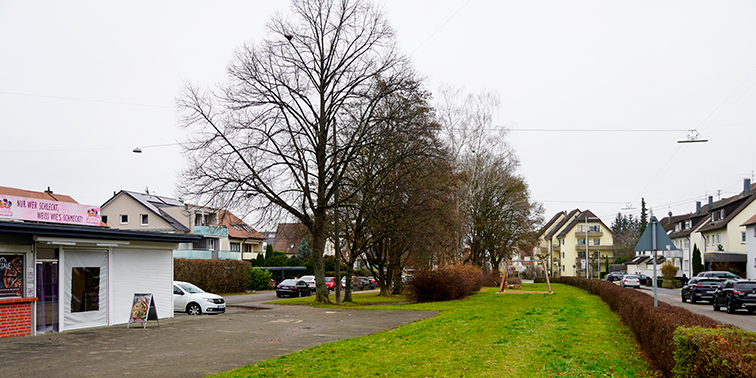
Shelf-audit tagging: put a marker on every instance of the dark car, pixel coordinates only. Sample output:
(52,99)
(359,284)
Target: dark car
(736,295)
(614,276)
(293,288)
(700,288)
(644,279)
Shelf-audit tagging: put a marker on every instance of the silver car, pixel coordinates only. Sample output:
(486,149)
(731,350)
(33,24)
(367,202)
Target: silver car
(630,280)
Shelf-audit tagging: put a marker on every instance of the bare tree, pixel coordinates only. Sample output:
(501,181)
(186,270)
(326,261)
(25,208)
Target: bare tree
(265,138)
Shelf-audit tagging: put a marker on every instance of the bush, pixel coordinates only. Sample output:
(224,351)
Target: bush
(215,276)
(668,271)
(527,274)
(445,283)
(491,279)
(654,327)
(259,279)
(514,281)
(714,352)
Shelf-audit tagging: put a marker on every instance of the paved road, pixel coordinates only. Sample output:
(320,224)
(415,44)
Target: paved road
(192,346)
(740,319)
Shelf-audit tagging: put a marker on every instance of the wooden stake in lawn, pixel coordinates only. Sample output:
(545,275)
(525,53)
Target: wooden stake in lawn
(546,272)
(504,279)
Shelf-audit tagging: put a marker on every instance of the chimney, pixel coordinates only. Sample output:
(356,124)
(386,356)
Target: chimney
(746,186)
(698,207)
(711,202)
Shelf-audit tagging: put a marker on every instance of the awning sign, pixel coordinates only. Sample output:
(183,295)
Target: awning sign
(32,209)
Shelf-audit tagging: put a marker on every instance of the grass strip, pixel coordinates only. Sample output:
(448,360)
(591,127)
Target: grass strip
(566,334)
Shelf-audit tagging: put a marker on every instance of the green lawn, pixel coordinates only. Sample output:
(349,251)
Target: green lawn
(569,333)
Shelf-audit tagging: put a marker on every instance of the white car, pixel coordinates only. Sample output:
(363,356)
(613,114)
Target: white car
(310,281)
(630,281)
(195,301)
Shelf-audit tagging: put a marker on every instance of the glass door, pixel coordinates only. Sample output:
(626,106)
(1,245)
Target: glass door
(47,296)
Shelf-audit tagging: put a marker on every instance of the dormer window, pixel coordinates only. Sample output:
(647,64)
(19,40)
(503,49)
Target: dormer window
(688,224)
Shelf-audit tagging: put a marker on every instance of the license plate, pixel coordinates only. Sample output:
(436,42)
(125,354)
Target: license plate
(752,295)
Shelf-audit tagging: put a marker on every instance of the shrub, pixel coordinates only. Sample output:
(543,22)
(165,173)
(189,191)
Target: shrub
(445,283)
(259,279)
(653,327)
(668,271)
(216,276)
(514,281)
(527,274)
(491,279)
(714,352)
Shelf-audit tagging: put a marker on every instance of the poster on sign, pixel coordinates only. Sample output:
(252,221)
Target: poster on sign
(12,274)
(142,310)
(32,209)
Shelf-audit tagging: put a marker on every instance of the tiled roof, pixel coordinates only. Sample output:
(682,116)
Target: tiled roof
(154,204)
(48,195)
(289,234)
(561,223)
(237,228)
(581,218)
(750,221)
(736,204)
(552,221)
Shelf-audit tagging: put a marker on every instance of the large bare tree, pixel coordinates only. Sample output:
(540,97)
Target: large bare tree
(265,140)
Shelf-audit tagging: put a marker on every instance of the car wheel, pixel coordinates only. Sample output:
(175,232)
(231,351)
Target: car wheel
(279,295)
(683,298)
(714,304)
(730,306)
(193,309)
(693,299)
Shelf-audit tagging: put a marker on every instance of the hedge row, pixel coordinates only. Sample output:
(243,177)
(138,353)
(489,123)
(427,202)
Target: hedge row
(220,276)
(654,327)
(715,352)
(445,283)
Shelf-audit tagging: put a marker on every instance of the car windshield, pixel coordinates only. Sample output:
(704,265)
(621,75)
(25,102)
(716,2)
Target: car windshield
(329,279)
(189,288)
(288,283)
(308,278)
(745,286)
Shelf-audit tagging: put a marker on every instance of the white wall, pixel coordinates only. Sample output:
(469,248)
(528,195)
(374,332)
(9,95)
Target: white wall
(144,269)
(751,251)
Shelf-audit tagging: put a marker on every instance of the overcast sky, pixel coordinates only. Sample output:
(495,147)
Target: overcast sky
(84,83)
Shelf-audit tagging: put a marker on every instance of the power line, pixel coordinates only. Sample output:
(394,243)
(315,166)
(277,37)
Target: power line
(440,27)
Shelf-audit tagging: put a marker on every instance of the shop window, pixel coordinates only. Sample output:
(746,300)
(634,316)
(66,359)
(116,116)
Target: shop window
(124,218)
(11,272)
(85,289)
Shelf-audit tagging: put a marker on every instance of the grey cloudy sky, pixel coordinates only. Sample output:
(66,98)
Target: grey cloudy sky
(84,82)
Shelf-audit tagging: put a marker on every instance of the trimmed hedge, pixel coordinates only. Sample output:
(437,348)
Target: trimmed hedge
(445,283)
(215,276)
(714,352)
(654,327)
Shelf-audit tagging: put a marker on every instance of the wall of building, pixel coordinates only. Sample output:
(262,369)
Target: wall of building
(141,268)
(16,317)
(123,204)
(751,250)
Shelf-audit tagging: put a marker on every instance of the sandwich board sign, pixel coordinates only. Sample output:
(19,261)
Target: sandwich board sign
(142,310)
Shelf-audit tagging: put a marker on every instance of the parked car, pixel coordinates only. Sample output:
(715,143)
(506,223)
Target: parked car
(720,274)
(293,288)
(358,283)
(736,295)
(630,280)
(310,281)
(700,288)
(614,276)
(644,279)
(331,283)
(195,301)
(367,283)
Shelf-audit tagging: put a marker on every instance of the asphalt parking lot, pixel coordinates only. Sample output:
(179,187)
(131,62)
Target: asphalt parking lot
(191,346)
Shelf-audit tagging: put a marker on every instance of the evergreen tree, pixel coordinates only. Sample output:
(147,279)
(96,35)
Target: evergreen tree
(643,223)
(269,251)
(697,264)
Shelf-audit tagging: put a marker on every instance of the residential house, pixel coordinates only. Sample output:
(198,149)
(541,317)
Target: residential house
(545,245)
(750,226)
(224,236)
(585,243)
(290,236)
(724,233)
(683,230)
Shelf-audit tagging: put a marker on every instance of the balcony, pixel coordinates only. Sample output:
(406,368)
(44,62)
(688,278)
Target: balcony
(210,231)
(591,234)
(205,254)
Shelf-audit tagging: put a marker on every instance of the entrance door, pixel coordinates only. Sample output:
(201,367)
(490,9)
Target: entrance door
(47,294)
(85,290)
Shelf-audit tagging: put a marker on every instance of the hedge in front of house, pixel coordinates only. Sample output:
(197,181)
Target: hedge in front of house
(654,327)
(714,352)
(214,276)
(445,283)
